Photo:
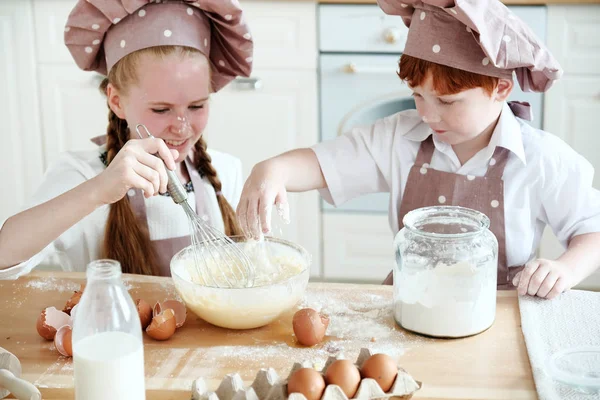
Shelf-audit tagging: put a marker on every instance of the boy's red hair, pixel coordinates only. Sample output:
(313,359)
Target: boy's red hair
(446,80)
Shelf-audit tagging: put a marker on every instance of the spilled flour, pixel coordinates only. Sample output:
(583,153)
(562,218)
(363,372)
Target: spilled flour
(357,320)
(53,284)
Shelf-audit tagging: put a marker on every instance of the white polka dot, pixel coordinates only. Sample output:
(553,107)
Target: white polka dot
(470,177)
(88,50)
(436,48)
(205,42)
(423,171)
(247,36)
(95,27)
(469,29)
(95,42)
(221,63)
(485,61)
(495,203)
(67,29)
(123,43)
(425,165)
(463,230)
(167,33)
(442,199)
(116,20)
(131,193)
(493,161)
(228,17)
(142,13)
(403,5)
(423,15)
(190,11)
(453,11)
(249,59)
(506,38)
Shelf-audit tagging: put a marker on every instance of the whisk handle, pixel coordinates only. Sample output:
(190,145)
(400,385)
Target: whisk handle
(175,188)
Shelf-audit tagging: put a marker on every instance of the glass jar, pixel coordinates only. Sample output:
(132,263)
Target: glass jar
(446,272)
(108,351)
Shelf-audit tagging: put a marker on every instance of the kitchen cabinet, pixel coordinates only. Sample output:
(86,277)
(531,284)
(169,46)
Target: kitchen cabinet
(572,105)
(21,159)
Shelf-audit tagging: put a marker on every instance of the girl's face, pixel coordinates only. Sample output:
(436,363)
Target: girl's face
(170,98)
(461,117)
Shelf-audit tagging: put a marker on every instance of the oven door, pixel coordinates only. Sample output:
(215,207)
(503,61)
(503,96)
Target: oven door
(358,90)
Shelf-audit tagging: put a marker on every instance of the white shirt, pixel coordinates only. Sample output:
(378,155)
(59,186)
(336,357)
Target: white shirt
(545,181)
(82,243)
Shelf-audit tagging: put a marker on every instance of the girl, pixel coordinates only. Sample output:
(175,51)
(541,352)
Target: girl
(464,145)
(162,60)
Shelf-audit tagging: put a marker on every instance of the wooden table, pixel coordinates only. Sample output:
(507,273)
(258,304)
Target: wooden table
(492,365)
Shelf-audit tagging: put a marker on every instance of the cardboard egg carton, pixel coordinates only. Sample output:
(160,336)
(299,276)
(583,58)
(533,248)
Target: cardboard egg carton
(268,386)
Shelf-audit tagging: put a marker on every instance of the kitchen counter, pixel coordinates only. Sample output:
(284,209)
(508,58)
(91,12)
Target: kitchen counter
(507,2)
(491,365)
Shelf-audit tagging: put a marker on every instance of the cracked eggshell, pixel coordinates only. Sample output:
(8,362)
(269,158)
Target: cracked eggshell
(309,326)
(73,301)
(162,326)
(144,311)
(50,320)
(178,308)
(63,340)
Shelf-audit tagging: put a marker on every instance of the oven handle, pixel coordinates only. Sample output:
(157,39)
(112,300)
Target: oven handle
(248,83)
(352,68)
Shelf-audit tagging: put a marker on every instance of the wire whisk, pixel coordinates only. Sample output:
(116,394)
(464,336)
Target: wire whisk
(218,260)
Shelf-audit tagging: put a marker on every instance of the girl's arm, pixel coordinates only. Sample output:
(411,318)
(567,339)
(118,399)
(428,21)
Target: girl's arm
(27,233)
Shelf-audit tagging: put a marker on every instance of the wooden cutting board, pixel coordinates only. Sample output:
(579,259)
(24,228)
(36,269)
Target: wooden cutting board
(491,365)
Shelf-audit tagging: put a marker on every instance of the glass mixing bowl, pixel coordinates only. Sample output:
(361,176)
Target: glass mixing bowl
(577,367)
(249,307)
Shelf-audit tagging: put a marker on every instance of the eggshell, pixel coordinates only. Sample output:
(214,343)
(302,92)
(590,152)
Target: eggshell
(145,312)
(309,326)
(162,326)
(307,381)
(344,374)
(72,302)
(178,308)
(50,320)
(382,368)
(63,340)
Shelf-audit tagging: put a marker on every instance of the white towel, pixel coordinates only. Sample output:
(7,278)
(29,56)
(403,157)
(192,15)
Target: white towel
(570,320)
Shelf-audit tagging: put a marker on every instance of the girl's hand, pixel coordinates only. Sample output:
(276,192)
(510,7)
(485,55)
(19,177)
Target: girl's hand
(264,188)
(544,278)
(135,166)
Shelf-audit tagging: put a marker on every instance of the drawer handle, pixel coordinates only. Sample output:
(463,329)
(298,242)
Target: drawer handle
(248,83)
(352,68)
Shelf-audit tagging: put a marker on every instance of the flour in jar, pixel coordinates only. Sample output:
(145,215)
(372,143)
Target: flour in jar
(453,300)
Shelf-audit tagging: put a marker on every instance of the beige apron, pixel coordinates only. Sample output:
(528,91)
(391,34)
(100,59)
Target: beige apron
(428,187)
(166,248)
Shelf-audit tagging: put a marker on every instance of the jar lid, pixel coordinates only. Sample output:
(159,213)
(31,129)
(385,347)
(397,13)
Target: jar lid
(578,367)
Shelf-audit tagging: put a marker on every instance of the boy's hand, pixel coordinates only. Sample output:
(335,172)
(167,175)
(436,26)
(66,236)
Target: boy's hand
(544,278)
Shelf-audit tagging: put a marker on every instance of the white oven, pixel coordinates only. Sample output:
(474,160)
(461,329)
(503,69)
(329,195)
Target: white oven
(359,48)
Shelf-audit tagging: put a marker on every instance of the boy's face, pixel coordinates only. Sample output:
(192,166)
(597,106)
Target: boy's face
(460,117)
(170,98)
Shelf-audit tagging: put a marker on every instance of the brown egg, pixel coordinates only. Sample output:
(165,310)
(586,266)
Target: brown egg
(179,310)
(308,382)
(382,368)
(63,340)
(309,326)
(162,326)
(73,301)
(344,374)
(50,320)
(145,312)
